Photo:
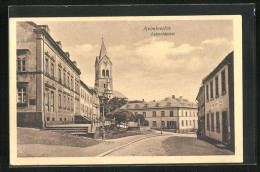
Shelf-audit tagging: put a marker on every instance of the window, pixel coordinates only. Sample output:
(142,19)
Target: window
(186,113)
(53,119)
(18,64)
(64,77)
(72,104)
(154,113)
(211,89)
(216,87)
(182,123)
(65,119)
(47,100)
(60,119)
(207,92)
(223,82)
(103,73)
(46,65)
(212,122)
(207,121)
(217,122)
(52,69)
(171,113)
(23,64)
(68,81)
(71,83)
(59,75)
(104,85)
(21,94)
(144,114)
(59,101)
(163,123)
(64,101)
(154,124)
(52,101)
(107,73)
(162,113)
(68,107)
(186,122)
(48,118)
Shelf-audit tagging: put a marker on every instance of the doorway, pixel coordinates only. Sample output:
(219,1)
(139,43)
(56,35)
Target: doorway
(171,124)
(224,127)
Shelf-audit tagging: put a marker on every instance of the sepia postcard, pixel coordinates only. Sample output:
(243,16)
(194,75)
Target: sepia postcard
(126,90)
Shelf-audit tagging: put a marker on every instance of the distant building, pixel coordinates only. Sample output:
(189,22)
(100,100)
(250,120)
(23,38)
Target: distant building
(219,102)
(89,103)
(48,81)
(104,76)
(201,112)
(170,113)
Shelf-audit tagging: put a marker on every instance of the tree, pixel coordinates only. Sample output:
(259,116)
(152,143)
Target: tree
(114,104)
(141,117)
(121,116)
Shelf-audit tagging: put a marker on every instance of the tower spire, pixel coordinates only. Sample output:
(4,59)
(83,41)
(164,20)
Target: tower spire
(103,50)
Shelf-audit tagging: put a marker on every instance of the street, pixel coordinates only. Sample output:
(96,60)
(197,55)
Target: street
(148,144)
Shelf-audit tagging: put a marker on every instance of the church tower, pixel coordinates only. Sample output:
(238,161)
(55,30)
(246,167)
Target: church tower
(103,71)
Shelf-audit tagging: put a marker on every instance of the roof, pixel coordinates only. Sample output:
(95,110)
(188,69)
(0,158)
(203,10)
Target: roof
(46,32)
(86,87)
(228,59)
(119,95)
(103,50)
(165,103)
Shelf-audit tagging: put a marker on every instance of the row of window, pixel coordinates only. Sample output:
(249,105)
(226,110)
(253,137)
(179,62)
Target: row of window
(171,113)
(84,95)
(64,119)
(216,83)
(187,123)
(211,121)
(105,73)
(86,109)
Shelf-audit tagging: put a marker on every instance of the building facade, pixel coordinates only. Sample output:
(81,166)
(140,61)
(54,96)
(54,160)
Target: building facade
(201,112)
(219,102)
(169,113)
(89,103)
(48,81)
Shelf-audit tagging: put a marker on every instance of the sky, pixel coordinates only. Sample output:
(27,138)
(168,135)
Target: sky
(145,66)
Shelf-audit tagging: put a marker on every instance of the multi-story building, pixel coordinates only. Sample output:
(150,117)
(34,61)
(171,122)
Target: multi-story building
(219,102)
(48,81)
(89,103)
(170,113)
(201,112)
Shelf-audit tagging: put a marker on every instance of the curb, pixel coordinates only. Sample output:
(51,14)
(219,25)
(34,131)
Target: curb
(114,149)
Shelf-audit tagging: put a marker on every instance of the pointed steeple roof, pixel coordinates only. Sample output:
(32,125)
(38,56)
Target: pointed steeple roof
(103,50)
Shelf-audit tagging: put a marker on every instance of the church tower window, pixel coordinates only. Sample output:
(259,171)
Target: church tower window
(107,73)
(103,73)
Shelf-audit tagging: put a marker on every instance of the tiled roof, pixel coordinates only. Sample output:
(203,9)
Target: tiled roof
(119,95)
(167,102)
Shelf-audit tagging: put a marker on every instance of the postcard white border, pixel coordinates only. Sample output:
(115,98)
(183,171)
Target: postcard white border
(238,101)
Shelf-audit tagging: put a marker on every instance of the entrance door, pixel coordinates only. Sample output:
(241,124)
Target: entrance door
(224,127)
(171,124)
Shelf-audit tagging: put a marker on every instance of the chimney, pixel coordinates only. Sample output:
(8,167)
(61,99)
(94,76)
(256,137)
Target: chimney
(67,54)
(180,97)
(173,96)
(59,44)
(74,62)
(153,100)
